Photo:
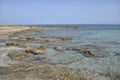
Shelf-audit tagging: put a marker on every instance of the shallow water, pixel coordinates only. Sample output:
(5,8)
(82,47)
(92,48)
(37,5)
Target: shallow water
(107,38)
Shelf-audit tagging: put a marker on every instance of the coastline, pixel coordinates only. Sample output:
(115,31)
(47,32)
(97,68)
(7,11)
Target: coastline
(90,55)
(6,31)
(22,69)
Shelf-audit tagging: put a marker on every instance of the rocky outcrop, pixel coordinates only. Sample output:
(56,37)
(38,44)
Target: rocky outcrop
(41,50)
(13,43)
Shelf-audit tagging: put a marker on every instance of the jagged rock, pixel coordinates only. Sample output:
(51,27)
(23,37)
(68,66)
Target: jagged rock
(60,48)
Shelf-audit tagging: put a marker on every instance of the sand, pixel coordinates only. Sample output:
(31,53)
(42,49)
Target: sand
(6,31)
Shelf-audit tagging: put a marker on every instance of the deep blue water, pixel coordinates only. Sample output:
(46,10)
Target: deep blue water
(91,26)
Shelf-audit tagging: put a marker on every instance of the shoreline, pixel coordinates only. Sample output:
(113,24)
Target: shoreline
(5,32)
(61,51)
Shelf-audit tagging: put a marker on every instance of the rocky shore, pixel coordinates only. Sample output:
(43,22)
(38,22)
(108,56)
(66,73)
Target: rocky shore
(15,63)
(26,53)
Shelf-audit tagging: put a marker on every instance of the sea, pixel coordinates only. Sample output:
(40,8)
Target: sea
(104,37)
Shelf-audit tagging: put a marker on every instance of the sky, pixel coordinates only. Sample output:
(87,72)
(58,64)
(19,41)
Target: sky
(27,12)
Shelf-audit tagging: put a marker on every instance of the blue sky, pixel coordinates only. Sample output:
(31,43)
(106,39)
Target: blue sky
(14,12)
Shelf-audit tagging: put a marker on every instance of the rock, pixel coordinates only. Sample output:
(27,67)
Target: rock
(60,48)
(76,49)
(93,50)
(13,44)
(65,38)
(88,53)
(30,49)
(42,47)
(30,38)
(41,50)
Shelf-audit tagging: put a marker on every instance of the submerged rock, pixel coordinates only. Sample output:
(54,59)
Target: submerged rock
(88,53)
(13,43)
(60,48)
(76,49)
(65,38)
(93,50)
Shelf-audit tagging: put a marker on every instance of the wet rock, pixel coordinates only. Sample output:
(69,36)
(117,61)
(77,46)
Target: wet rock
(41,50)
(65,38)
(88,53)
(76,49)
(30,38)
(93,50)
(29,49)
(13,44)
(60,48)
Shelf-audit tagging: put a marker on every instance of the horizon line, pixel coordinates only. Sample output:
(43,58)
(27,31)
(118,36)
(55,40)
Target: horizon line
(53,24)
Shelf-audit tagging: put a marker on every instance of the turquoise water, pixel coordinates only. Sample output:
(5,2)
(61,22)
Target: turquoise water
(106,38)
(89,34)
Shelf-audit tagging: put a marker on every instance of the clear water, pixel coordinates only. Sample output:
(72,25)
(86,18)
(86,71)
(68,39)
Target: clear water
(107,37)
(89,34)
